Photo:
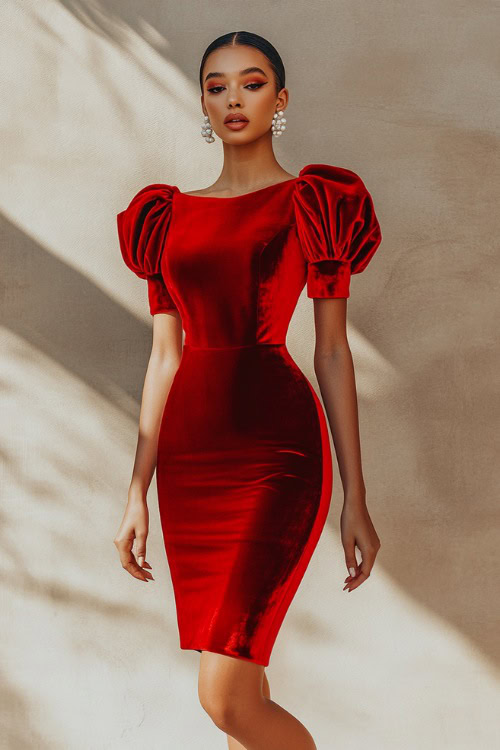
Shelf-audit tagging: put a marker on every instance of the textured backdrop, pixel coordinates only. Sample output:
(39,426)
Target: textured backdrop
(102,98)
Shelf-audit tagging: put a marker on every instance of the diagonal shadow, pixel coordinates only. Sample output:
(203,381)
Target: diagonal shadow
(62,313)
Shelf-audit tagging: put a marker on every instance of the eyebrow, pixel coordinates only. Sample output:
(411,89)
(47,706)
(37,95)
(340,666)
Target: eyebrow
(245,71)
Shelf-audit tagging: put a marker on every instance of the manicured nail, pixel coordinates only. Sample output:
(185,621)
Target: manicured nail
(141,561)
(352,572)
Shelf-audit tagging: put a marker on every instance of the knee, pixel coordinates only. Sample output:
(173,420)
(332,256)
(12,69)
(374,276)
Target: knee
(223,709)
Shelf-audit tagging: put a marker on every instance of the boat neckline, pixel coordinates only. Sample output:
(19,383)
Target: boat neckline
(241,195)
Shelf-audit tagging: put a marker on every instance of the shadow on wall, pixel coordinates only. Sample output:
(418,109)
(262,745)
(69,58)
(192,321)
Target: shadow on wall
(56,309)
(16,721)
(432,445)
(70,606)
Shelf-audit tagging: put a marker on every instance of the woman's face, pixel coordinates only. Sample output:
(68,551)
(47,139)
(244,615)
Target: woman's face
(240,81)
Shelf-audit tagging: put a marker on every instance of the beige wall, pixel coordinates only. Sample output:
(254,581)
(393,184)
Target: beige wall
(100,99)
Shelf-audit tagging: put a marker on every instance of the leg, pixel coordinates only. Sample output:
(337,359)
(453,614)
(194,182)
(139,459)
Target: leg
(233,744)
(231,692)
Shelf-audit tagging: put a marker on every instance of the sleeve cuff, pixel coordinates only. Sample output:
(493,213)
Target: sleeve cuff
(328,278)
(159,297)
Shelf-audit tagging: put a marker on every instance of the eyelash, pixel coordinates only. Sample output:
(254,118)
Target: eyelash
(259,85)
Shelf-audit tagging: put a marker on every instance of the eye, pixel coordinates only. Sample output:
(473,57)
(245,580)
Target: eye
(250,86)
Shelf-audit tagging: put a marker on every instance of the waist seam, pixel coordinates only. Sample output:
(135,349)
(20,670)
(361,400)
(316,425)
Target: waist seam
(239,346)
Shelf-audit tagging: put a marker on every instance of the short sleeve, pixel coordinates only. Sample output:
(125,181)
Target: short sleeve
(142,232)
(336,226)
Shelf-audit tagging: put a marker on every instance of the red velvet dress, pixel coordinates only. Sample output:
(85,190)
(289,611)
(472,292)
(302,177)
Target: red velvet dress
(244,468)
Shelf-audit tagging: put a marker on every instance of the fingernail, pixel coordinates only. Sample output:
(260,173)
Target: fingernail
(141,561)
(352,572)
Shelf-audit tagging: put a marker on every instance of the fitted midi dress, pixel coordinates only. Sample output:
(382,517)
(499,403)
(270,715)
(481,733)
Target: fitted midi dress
(244,466)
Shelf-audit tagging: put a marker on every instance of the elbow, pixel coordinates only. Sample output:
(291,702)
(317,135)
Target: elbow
(166,359)
(322,365)
(325,357)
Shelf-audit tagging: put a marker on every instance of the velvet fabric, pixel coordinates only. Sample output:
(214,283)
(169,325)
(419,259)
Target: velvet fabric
(244,467)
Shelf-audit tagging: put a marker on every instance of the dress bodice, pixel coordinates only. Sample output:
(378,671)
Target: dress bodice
(235,267)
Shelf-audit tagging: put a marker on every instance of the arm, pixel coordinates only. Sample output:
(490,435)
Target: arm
(333,366)
(162,366)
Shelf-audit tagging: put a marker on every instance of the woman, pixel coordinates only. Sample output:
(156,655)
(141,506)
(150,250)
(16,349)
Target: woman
(236,432)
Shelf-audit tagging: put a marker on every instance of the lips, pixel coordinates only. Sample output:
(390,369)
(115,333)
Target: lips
(236,118)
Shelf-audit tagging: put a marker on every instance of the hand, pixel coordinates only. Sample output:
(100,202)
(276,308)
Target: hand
(134,530)
(357,530)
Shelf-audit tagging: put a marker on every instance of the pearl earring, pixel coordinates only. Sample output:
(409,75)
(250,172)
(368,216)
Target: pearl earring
(278,124)
(206,130)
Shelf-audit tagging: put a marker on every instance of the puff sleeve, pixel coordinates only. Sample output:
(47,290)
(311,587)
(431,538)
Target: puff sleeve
(142,231)
(336,226)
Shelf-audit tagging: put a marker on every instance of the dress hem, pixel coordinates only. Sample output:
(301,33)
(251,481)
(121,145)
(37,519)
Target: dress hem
(220,650)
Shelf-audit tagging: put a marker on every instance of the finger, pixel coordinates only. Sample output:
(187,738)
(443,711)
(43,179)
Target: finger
(350,559)
(128,560)
(130,565)
(353,572)
(146,575)
(124,546)
(364,571)
(354,584)
(135,571)
(140,552)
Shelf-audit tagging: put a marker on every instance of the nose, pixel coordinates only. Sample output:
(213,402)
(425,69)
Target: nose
(233,100)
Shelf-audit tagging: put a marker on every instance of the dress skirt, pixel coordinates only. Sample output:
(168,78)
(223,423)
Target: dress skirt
(244,481)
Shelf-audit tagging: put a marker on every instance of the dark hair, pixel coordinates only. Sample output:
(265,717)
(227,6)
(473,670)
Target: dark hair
(246,38)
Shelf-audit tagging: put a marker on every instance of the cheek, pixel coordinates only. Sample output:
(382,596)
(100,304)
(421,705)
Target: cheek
(216,110)
(263,110)
(267,98)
